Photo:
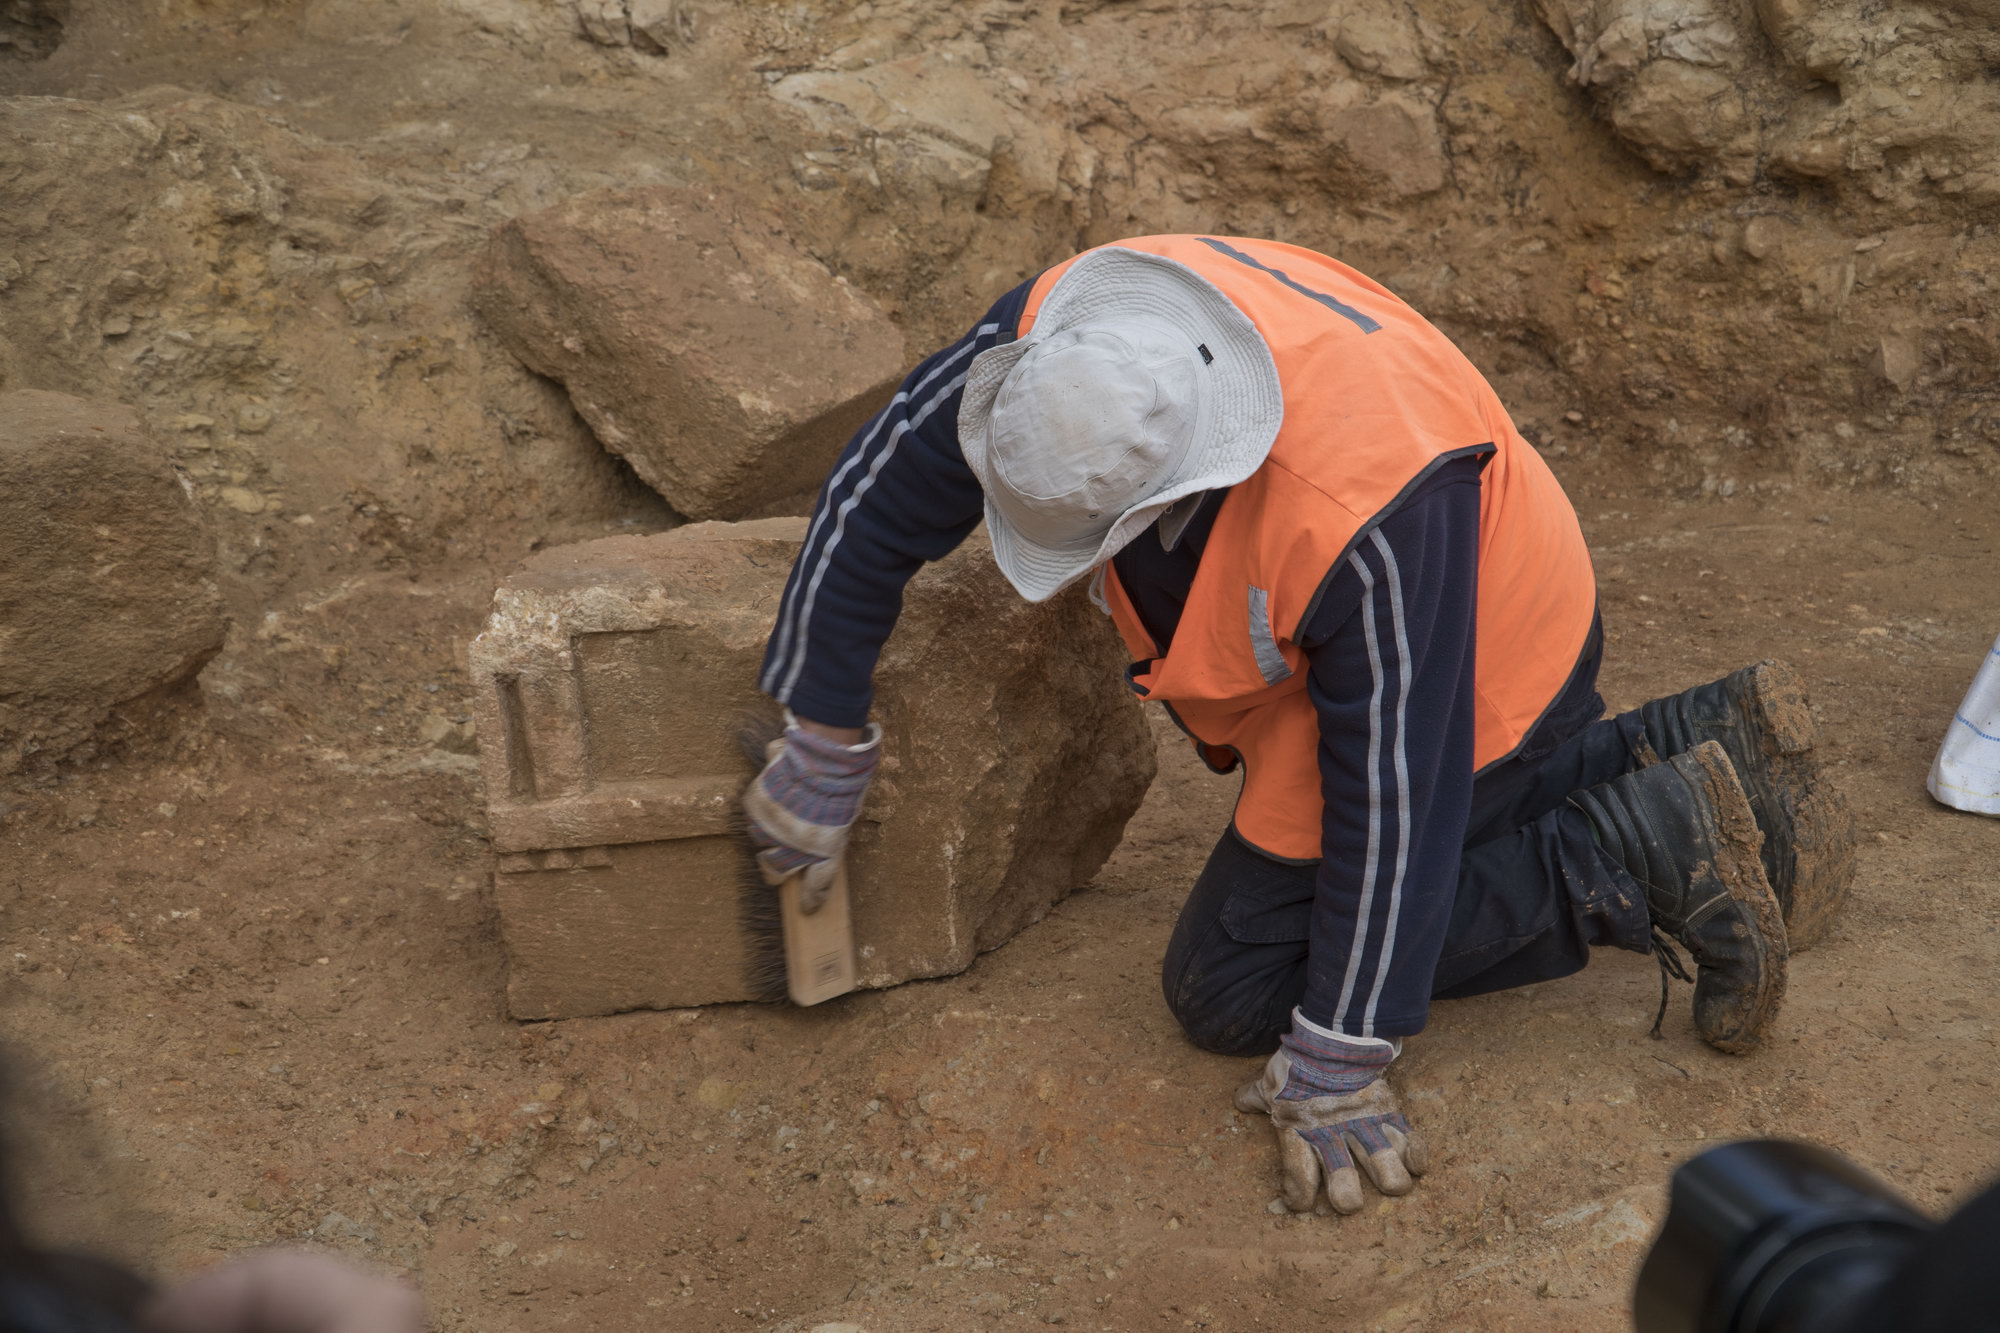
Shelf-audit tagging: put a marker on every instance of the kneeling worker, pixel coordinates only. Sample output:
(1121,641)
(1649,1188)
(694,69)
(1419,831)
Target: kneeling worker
(1336,561)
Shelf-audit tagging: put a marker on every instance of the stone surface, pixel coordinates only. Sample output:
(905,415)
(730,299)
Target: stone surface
(1668,72)
(31,29)
(108,602)
(609,683)
(724,363)
(1383,43)
(658,27)
(1888,96)
(924,121)
(1393,141)
(1897,359)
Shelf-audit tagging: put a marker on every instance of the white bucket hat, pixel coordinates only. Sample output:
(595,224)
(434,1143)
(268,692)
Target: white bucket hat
(1140,385)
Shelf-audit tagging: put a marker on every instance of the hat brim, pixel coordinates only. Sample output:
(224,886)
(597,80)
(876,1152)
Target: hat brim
(1248,406)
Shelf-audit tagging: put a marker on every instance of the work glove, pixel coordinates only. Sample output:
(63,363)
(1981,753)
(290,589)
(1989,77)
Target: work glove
(1332,1109)
(802,805)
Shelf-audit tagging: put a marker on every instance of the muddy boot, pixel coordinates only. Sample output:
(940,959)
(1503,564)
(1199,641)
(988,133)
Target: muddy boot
(1684,830)
(1759,715)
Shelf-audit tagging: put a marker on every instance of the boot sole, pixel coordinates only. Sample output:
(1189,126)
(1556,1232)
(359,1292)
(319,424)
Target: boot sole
(1784,718)
(1823,842)
(1741,869)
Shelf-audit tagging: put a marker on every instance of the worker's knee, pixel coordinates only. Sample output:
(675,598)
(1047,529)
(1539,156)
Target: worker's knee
(1230,1033)
(1237,961)
(1228,1016)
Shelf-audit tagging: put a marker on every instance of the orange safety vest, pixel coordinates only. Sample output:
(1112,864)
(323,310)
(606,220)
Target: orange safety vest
(1375,399)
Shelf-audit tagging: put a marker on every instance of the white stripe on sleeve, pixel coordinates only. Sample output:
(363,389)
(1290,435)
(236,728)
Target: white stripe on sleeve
(788,659)
(1402,760)
(1359,944)
(861,489)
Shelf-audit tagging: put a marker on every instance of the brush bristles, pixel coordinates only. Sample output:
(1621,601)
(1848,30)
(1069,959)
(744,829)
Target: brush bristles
(758,914)
(755,732)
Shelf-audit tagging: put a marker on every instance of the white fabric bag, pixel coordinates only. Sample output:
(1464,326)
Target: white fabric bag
(1967,772)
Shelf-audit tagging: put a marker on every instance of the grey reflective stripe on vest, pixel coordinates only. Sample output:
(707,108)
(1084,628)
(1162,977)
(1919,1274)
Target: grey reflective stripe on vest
(1271,663)
(1338,307)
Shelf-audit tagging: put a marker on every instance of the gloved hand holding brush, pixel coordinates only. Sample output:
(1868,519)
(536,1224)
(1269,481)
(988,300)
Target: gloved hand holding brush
(802,805)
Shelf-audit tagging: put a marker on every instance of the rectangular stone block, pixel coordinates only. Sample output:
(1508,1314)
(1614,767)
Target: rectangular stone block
(587,932)
(611,679)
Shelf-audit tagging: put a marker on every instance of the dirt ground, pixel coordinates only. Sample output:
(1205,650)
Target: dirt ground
(265,986)
(254,983)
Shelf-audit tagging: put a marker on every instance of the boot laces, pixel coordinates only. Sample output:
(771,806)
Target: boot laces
(1672,969)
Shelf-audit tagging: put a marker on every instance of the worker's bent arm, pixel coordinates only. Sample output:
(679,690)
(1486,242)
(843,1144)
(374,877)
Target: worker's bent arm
(900,495)
(1391,654)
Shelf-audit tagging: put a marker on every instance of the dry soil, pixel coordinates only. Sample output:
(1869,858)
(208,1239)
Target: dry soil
(255,981)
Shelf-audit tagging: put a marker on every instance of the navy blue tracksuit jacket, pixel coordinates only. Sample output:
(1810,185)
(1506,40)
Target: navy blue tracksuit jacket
(1390,649)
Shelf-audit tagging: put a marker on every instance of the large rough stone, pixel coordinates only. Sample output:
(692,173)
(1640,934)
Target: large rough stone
(727,365)
(108,602)
(610,681)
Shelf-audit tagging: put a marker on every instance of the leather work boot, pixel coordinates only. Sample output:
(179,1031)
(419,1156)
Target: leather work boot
(1684,830)
(1760,716)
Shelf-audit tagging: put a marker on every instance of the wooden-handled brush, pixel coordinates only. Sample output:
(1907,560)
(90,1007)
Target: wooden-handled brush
(794,948)
(819,940)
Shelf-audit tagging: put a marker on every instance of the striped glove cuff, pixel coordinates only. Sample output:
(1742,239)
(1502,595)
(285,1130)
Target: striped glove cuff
(1326,1064)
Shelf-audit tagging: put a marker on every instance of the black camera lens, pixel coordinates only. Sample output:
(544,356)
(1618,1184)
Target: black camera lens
(1771,1237)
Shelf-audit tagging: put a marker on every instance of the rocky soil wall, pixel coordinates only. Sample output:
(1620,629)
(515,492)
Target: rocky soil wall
(1733,246)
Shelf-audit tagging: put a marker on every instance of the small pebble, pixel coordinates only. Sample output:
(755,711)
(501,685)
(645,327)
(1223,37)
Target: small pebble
(243,500)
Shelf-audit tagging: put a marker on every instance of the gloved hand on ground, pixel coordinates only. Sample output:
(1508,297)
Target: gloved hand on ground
(802,805)
(1332,1110)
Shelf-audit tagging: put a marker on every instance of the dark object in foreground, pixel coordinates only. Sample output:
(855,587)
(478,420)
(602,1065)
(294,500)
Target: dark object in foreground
(1768,1236)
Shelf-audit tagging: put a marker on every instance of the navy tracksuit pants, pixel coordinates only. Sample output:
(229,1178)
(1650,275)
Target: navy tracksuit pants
(1535,893)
